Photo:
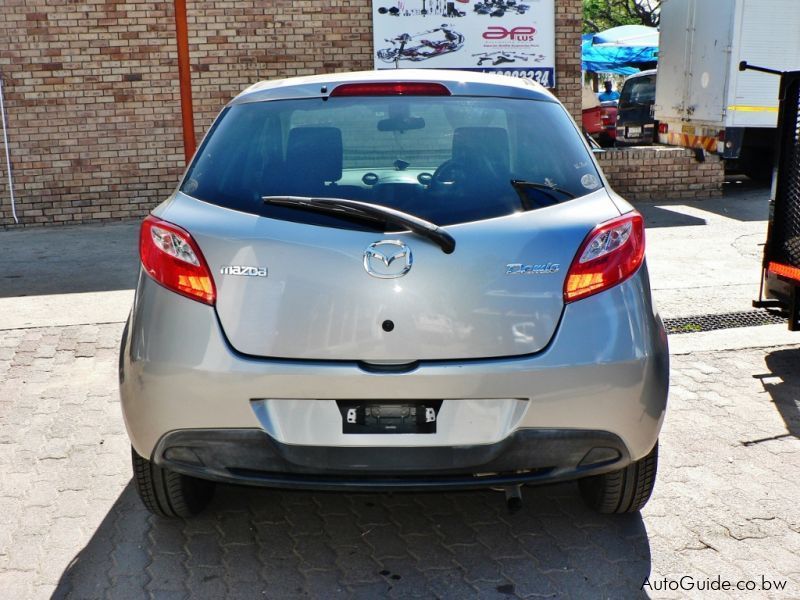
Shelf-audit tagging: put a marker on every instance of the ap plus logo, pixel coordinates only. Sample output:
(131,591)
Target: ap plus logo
(520,34)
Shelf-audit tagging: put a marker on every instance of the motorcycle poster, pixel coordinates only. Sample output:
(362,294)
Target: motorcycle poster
(510,37)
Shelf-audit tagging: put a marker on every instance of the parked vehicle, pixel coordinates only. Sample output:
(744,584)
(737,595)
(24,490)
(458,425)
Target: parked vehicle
(608,115)
(592,115)
(702,99)
(635,123)
(402,280)
(599,119)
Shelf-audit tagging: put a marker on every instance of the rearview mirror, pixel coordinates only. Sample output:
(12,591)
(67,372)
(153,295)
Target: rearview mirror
(401,124)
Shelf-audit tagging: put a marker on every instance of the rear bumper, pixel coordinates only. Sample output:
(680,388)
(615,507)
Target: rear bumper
(252,457)
(606,370)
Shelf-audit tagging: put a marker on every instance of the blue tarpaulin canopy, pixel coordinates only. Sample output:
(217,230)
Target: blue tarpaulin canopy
(620,50)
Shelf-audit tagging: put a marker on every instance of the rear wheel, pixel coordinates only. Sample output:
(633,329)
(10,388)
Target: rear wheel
(623,491)
(169,494)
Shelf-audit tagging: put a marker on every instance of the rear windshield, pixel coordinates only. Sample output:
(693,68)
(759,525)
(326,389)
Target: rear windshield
(641,90)
(445,159)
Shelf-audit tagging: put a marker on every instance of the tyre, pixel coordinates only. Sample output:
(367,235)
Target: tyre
(623,491)
(169,494)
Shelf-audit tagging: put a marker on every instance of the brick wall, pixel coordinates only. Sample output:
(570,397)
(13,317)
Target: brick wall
(92,92)
(569,25)
(648,173)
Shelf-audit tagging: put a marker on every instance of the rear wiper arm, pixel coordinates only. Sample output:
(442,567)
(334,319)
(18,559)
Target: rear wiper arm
(521,184)
(371,213)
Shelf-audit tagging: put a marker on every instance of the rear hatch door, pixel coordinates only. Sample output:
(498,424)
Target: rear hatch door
(500,293)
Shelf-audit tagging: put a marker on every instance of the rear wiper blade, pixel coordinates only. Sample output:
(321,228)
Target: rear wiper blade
(371,213)
(521,184)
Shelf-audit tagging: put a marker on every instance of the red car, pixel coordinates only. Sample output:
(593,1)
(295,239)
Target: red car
(609,115)
(599,119)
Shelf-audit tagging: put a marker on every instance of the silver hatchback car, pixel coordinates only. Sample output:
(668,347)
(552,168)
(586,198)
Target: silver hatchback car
(397,280)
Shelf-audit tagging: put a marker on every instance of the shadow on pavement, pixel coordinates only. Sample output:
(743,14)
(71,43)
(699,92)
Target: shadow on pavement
(783,385)
(738,185)
(255,542)
(66,260)
(744,208)
(743,200)
(656,216)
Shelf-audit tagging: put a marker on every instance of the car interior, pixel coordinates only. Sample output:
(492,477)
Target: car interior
(416,162)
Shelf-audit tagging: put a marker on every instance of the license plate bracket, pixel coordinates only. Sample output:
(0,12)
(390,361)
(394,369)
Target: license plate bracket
(389,417)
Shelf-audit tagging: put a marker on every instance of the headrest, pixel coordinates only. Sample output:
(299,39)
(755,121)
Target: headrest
(316,152)
(469,143)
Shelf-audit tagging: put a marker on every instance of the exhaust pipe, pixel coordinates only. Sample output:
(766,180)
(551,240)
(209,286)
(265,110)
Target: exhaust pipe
(513,498)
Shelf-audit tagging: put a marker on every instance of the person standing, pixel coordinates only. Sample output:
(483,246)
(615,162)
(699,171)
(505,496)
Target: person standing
(608,95)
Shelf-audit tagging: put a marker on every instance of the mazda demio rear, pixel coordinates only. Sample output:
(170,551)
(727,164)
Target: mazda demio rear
(398,280)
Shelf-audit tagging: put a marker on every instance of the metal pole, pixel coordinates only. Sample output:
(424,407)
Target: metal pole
(185,77)
(8,153)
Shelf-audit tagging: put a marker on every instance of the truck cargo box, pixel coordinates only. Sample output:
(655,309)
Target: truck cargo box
(702,100)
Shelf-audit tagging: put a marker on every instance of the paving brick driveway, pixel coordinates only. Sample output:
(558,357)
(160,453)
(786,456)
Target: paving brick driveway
(727,502)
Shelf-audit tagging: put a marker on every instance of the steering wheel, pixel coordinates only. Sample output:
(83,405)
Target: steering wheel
(455,171)
(449,172)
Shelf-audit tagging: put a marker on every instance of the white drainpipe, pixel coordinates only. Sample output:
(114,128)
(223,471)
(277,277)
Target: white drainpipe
(8,152)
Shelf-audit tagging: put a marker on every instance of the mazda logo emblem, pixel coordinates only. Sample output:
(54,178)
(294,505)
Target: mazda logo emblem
(387,259)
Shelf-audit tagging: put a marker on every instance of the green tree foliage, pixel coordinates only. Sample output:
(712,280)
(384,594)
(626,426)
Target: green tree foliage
(599,15)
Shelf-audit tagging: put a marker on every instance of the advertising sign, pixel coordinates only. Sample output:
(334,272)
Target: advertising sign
(511,37)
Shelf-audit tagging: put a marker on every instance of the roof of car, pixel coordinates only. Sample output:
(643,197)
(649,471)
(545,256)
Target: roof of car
(642,74)
(460,83)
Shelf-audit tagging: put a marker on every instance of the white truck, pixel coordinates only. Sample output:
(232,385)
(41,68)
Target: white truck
(702,99)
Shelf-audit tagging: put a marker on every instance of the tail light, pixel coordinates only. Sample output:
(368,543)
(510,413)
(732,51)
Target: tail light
(172,258)
(391,89)
(609,255)
(663,128)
